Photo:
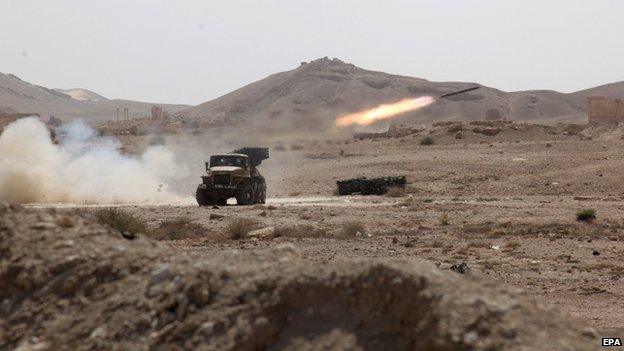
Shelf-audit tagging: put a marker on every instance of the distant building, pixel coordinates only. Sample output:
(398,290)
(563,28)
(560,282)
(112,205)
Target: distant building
(159,113)
(601,109)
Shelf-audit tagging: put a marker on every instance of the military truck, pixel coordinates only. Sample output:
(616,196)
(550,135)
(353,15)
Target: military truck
(234,175)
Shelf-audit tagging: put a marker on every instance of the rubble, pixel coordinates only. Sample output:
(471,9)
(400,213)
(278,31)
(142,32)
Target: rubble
(455,128)
(490,131)
(262,233)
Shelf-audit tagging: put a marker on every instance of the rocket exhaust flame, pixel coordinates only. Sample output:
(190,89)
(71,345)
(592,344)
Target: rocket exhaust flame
(385,111)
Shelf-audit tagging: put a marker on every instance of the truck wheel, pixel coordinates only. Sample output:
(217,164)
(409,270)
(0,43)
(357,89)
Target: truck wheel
(202,198)
(222,201)
(245,196)
(262,197)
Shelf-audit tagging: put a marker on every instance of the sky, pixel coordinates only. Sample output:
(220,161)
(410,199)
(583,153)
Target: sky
(191,51)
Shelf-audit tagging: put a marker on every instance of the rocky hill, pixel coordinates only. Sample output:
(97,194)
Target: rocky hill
(314,94)
(611,91)
(17,95)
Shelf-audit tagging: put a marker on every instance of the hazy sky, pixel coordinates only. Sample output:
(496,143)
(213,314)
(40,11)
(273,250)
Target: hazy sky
(193,51)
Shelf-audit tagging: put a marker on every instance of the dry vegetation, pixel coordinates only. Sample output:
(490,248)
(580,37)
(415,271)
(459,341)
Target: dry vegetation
(444,219)
(179,228)
(427,141)
(496,202)
(131,225)
(121,221)
(586,215)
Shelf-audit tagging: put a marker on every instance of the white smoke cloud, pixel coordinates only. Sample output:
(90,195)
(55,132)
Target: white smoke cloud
(83,169)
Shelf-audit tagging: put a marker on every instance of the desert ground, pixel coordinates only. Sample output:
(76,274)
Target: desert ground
(504,203)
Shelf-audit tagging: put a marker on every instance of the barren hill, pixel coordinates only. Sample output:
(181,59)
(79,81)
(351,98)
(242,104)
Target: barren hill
(314,94)
(18,95)
(611,91)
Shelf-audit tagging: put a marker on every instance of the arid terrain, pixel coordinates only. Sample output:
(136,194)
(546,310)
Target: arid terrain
(518,227)
(311,175)
(504,204)
(17,95)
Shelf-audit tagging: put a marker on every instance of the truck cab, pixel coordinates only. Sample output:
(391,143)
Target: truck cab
(232,175)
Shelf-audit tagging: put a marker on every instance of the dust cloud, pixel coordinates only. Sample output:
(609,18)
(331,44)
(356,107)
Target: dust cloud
(83,169)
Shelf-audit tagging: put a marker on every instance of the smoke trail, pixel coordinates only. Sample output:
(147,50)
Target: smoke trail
(84,168)
(384,111)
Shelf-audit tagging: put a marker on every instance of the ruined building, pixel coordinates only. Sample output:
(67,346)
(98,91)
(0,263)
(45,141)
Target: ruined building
(159,113)
(601,109)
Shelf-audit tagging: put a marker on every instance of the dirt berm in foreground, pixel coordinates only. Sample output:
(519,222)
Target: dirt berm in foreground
(67,282)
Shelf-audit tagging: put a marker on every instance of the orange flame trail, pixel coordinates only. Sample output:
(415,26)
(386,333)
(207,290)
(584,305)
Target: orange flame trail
(381,112)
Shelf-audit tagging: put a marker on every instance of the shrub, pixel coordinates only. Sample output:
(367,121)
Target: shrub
(395,191)
(65,222)
(179,228)
(238,228)
(444,219)
(121,221)
(487,199)
(427,141)
(586,215)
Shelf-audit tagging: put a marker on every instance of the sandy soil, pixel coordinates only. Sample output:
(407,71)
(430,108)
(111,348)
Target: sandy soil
(68,282)
(505,204)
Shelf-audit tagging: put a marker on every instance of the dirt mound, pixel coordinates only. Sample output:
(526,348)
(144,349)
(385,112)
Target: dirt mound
(67,282)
